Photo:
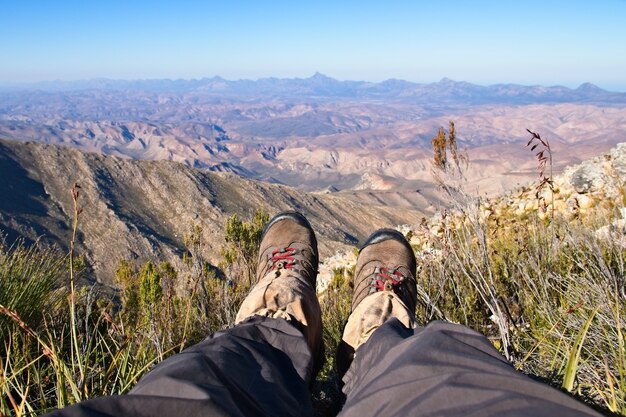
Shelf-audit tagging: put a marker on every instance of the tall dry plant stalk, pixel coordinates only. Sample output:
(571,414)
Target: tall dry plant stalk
(468,240)
(439,144)
(443,143)
(77,360)
(543,152)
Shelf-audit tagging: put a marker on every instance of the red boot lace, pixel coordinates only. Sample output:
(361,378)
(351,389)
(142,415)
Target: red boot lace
(283,258)
(386,279)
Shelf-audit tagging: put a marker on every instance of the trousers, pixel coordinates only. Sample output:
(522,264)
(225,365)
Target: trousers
(264,367)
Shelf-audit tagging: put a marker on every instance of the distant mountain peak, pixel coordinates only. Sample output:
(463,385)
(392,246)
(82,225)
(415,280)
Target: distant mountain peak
(590,88)
(320,76)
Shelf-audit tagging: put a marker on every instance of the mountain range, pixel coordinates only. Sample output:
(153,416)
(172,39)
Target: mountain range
(368,142)
(446,91)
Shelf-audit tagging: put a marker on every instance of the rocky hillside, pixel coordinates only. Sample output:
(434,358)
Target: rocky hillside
(142,209)
(599,180)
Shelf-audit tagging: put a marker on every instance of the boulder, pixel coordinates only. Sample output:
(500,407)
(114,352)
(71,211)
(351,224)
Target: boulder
(588,178)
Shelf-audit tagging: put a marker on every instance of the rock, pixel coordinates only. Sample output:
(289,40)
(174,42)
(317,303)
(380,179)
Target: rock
(587,178)
(572,205)
(584,201)
(342,259)
(547,194)
(436,230)
(619,160)
(604,175)
(615,230)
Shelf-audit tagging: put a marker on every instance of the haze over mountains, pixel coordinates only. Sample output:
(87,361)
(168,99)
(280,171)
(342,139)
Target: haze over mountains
(369,141)
(319,85)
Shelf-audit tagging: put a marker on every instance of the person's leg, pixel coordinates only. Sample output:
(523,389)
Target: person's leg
(442,369)
(262,366)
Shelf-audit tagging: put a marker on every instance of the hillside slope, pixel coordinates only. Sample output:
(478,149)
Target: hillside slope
(142,209)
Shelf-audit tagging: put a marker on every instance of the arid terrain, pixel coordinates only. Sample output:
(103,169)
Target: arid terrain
(368,141)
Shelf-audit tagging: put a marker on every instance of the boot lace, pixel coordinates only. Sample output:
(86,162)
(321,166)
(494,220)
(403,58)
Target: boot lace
(386,279)
(283,258)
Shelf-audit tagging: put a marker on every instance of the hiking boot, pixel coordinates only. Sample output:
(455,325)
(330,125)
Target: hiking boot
(386,262)
(288,242)
(285,279)
(384,288)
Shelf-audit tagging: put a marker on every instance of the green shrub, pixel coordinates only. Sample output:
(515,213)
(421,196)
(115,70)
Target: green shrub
(242,245)
(30,280)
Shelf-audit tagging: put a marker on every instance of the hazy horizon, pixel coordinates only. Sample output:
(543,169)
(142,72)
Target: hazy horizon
(34,84)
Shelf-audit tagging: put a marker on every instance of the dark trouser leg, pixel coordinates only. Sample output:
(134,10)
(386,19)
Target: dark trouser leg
(444,369)
(260,367)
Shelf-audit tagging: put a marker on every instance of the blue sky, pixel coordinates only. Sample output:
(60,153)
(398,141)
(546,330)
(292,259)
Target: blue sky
(486,42)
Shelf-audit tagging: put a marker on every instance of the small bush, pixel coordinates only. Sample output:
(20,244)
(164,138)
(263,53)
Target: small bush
(242,245)
(30,278)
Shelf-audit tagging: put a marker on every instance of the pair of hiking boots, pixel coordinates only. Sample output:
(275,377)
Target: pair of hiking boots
(384,284)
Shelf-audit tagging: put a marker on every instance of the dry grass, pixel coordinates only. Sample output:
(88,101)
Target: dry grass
(62,344)
(547,290)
